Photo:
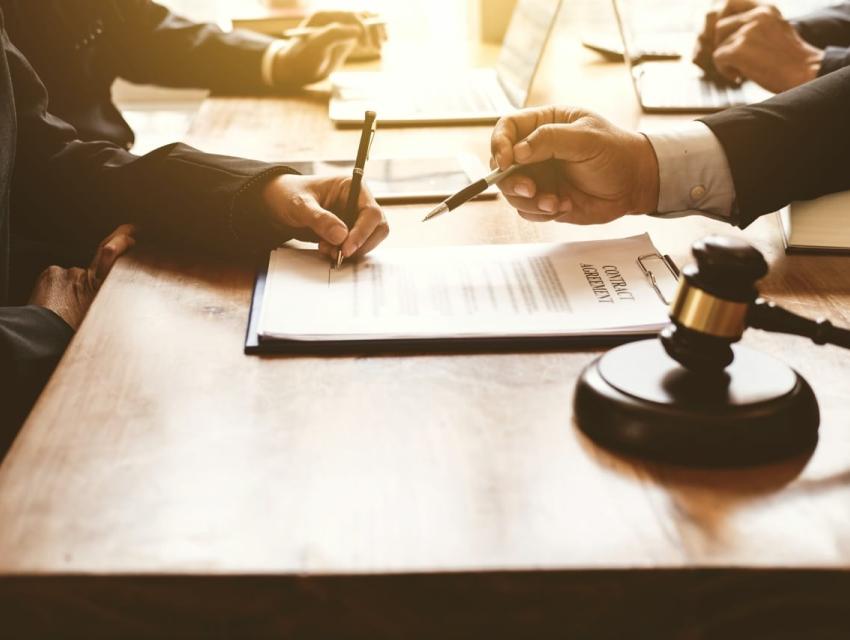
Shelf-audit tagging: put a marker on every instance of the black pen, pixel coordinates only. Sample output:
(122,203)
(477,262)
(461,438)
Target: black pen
(367,134)
(468,193)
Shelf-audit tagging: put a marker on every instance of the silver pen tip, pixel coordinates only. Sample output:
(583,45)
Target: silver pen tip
(439,210)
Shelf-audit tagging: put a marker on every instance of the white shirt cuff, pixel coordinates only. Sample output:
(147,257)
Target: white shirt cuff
(267,63)
(693,172)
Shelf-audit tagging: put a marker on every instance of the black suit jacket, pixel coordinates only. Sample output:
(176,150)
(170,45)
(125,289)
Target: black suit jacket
(79,47)
(828,29)
(791,147)
(78,192)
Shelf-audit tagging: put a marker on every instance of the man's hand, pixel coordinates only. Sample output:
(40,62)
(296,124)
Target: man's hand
(762,46)
(707,41)
(580,168)
(308,207)
(314,57)
(70,292)
(752,41)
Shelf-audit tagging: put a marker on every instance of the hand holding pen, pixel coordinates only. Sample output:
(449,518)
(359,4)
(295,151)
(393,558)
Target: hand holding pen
(352,207)
(309,208)
(577,167)
(336,211)
(567,165)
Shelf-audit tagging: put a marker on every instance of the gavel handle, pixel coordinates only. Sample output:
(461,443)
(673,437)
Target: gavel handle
(768,316)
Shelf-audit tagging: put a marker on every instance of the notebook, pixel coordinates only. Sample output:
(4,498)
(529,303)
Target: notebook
(822,224)
(466,297)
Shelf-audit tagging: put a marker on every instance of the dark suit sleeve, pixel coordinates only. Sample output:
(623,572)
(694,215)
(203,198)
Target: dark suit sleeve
(791,147)
(159,47)
(828,29)
(830,26)
(83,190)
(32,339)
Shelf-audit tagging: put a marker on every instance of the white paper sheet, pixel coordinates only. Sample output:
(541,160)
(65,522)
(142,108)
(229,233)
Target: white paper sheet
(586,288)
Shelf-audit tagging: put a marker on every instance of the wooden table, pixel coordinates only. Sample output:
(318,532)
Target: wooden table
(167,484)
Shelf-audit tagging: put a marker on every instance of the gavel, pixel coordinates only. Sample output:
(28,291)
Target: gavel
(717,300)
(692,398)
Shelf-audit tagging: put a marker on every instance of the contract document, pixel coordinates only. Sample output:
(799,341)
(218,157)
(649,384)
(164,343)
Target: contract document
(604,288)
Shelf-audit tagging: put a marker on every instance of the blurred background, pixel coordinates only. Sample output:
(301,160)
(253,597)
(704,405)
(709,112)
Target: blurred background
(445,31)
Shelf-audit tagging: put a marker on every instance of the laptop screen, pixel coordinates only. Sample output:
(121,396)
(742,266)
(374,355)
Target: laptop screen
(630,53)
(531,24)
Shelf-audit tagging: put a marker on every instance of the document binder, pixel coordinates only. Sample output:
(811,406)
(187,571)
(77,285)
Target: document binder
(659,270)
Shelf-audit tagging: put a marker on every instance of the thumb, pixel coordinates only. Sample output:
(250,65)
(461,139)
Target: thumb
(570,142)
(321,222)
(115,245)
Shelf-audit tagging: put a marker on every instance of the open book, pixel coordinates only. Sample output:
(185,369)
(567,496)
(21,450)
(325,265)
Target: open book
(501,294)
(822,224)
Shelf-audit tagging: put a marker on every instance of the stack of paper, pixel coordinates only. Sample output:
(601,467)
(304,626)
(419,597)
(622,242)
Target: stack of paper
(822,224)
(539,290)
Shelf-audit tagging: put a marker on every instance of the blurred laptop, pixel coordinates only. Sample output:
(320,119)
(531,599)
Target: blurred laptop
(471,96)
(671,87)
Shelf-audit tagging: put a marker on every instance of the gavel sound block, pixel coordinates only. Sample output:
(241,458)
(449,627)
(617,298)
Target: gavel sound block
(693,396)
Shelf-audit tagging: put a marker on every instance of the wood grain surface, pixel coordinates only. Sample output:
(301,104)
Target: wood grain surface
(168,484)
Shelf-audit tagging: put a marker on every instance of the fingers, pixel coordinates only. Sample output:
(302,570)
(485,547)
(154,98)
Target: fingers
(505,135)
(731,7)
(705,44)
(308,202)
(337,55)
(719,25)
(369,230)
(302,202)
(320,221)
(328,48)
(377,237)
(334,34)
(518,185)
(544,203)
(544,133)
(323,18)
(727,26)
(572,206)
(512,129)
(541,209)
(587,209)
(327,249)
(543,186)
(570,142)
(533,180)
(110,249)
(728,60)
(370,35)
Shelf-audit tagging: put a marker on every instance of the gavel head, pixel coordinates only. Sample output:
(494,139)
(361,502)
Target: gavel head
(710,309)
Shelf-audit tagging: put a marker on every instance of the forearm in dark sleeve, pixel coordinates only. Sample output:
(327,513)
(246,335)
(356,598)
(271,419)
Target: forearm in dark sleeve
(160,47)
(791,147)
(83,190)
(825,27)
(834,58)
(32,340)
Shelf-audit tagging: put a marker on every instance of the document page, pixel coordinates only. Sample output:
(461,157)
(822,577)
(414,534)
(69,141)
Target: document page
(568,289)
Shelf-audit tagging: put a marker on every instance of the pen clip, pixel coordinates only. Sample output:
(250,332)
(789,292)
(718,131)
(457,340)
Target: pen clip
(371,140)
